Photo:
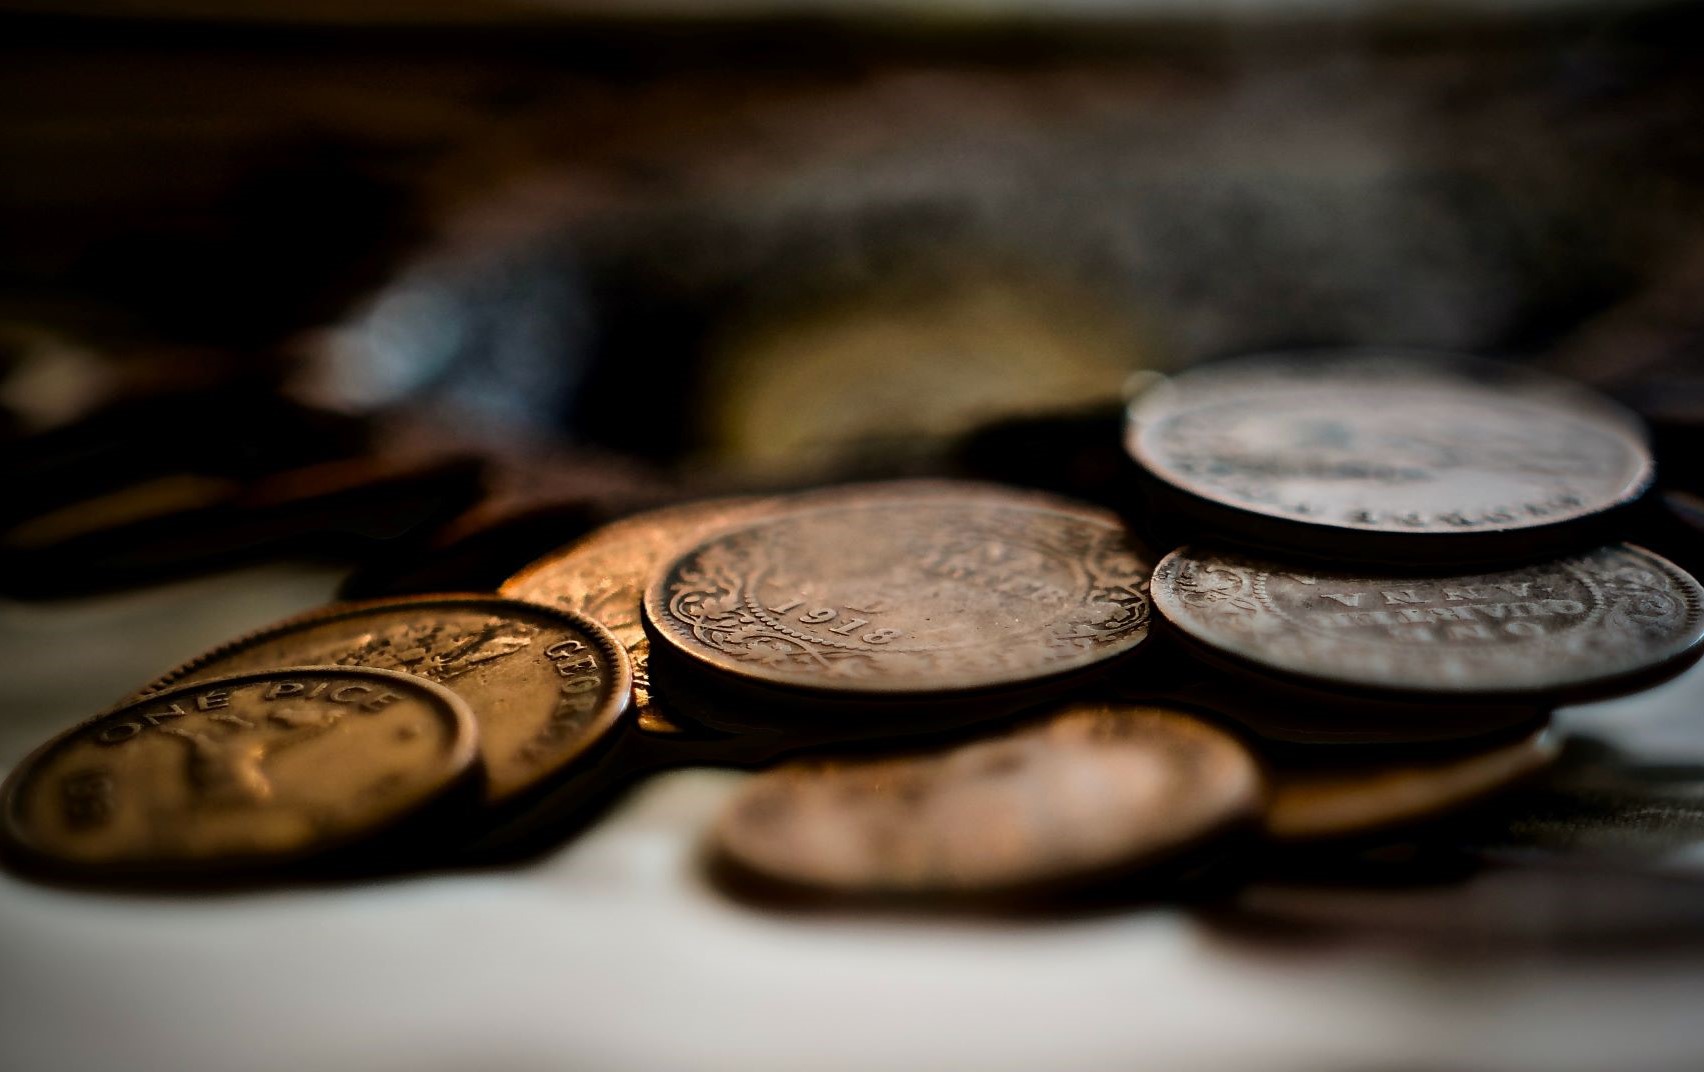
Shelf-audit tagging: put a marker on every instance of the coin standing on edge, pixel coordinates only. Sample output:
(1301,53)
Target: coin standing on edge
(1389,457)
(1569,625)
(879,593)
(1338,801)
(1091,791)
(239,772)
(545,685)
(603,576)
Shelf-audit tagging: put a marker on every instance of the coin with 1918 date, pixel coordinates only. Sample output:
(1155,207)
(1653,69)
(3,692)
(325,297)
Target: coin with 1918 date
(878,592)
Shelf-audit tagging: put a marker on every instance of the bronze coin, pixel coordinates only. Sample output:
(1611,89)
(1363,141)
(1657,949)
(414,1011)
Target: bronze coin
(1569,624)
(1440,456)
(1340,800)
(266,767)
(603,576)
(546,685)
(1091,790)
(882,593)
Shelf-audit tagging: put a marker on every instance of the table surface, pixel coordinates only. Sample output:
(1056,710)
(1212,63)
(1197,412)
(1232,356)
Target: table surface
(613,952)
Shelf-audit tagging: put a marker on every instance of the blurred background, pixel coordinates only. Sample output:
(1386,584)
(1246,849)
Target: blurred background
(404,293)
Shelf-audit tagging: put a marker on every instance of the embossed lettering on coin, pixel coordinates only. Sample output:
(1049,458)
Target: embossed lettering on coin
(1089,790)
(1389,445)
(1568,622)
(545,685)
(604,575)
(240,770)
(875,592)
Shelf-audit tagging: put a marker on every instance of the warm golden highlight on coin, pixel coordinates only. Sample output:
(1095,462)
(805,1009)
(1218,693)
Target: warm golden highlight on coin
(882,592)
(267,767)
(1091,790)
(604,575)
(545,685)
(1322,802)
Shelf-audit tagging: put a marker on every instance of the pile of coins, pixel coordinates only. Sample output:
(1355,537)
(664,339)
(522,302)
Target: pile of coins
(1382,574)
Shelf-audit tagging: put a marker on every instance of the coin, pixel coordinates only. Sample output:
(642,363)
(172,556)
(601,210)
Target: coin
(603,576)
(1572,623)
(250,769)
(546,685)
(1090,790)
(1337,800)
(1388,457)
(882,593)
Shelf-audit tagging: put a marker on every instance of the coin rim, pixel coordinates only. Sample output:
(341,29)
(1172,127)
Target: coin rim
(1297,533)
(1207,648)
(463,764)
(618,704)
(655,597)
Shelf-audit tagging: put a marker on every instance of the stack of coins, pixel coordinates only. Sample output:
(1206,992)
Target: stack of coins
(1381,573)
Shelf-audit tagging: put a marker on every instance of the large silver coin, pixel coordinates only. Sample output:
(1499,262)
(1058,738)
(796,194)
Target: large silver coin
(1387,447)
(1567,623)
(879,591)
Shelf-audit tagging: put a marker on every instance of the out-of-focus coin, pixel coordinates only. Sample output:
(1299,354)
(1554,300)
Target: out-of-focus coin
(1339,800)
(268,767)
(882,593)
(1388,457)
(1093,790)
(546,685)
(1574,623)
(603,576)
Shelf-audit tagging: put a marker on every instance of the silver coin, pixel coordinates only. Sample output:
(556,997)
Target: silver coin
(881,591)
(1567,623)
(1398,446)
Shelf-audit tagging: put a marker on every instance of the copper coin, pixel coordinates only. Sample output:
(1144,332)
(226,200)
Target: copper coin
(1571,623)
(545,685)
(249,769)
(879,592)
(1091,790)
(603,576)
(1339,800)
(1437,455)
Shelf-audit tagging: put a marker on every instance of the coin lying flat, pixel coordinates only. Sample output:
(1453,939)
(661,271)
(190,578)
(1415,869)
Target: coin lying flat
(1091,790)
(250,769)
(1371,456)
(1322,802)
(879,592)
(604,575)
(545,685)
(1570,623)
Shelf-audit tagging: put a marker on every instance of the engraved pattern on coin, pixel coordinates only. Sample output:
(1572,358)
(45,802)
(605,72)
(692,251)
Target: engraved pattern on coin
(545,685)
(1092,789)
(1617,610)
(1389,445)
(604,575)
(235,771)
(913,594)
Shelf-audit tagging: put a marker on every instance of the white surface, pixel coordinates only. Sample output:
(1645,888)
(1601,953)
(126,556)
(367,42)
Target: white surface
(612,953)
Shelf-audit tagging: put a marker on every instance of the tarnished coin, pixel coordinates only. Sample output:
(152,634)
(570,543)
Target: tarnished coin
(1094,789)
(246,770)
(603,576)
(878,592)
(1339,800)
(1569,624)
(546,685)
(1381,456)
